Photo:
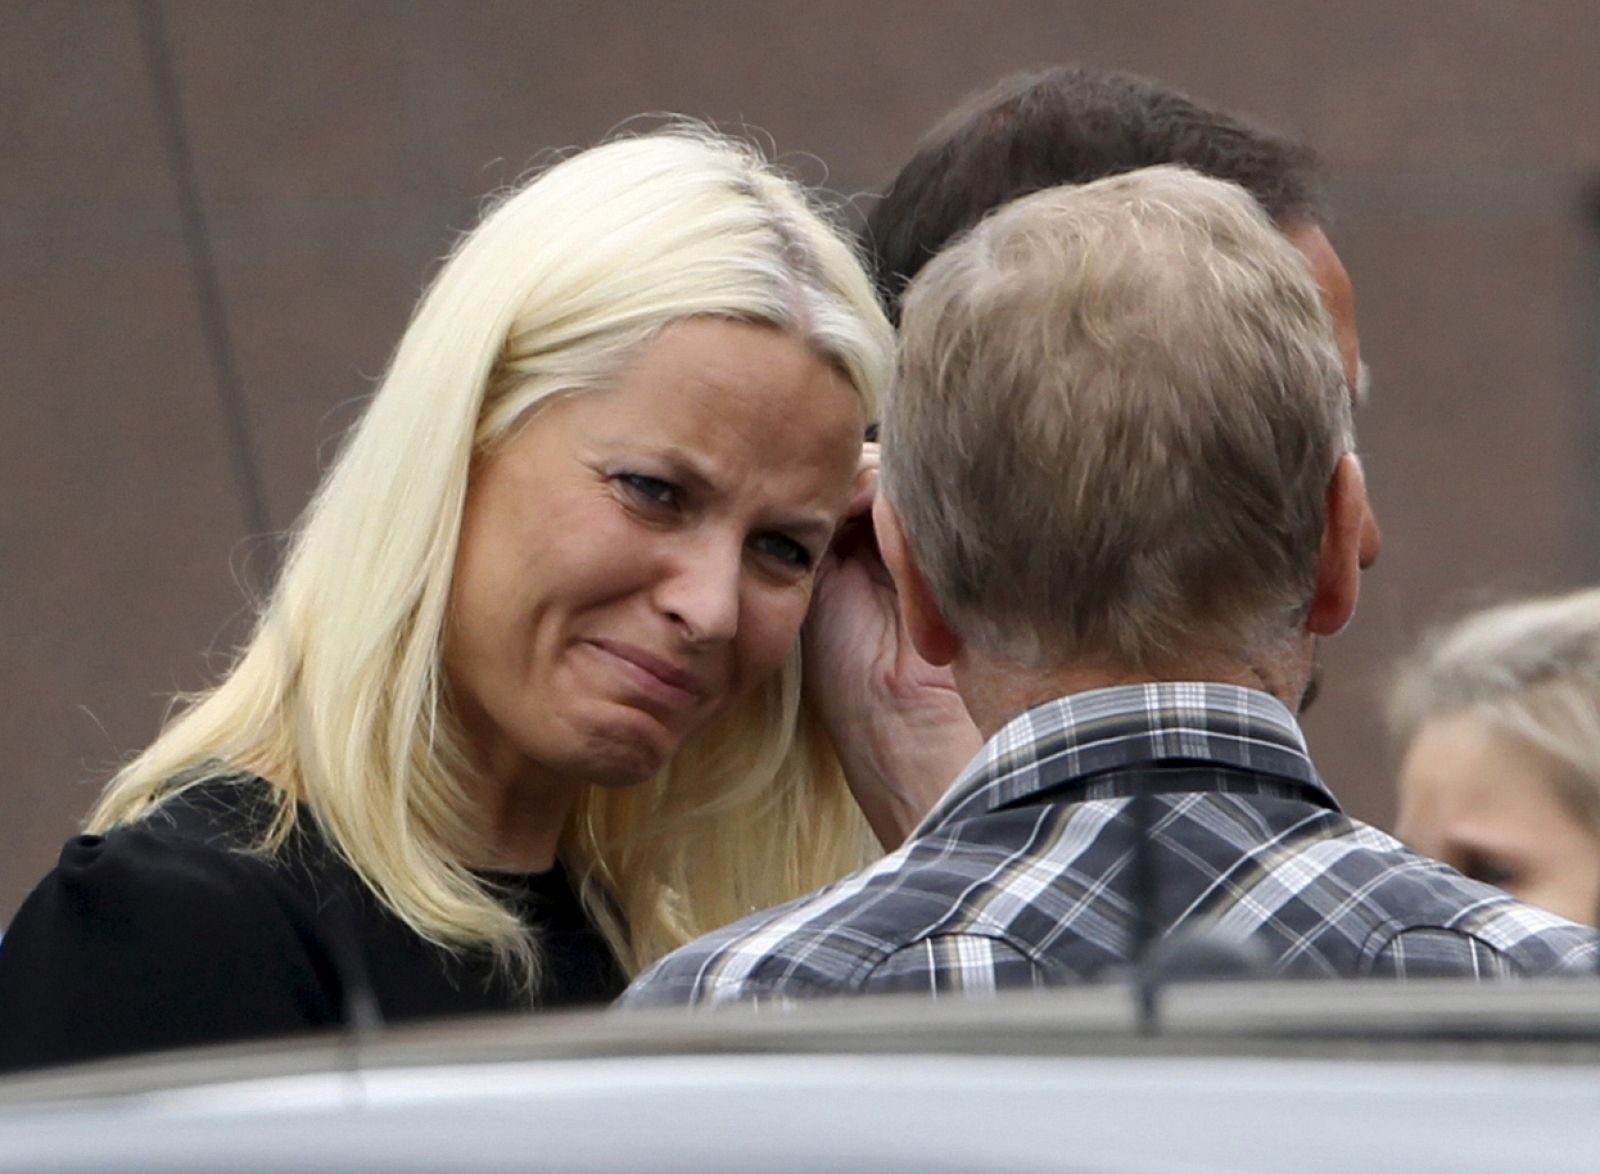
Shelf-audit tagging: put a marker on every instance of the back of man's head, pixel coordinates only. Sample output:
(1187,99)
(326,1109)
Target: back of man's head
(1118,411)
(1071,124)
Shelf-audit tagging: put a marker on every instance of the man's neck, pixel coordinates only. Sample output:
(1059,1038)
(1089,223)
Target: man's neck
(995,691)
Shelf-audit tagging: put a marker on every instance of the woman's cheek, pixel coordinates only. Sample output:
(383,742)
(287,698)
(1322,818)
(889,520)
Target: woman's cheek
(779,629)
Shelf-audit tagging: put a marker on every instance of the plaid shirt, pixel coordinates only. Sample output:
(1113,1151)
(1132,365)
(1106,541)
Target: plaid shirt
(1023,875)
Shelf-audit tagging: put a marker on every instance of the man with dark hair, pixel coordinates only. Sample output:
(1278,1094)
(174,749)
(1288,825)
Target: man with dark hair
(1076,124)
(1070,124)
(1120,501)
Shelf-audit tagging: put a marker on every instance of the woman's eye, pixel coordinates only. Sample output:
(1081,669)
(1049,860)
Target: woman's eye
(783,548)
(1490,871)
(650,489)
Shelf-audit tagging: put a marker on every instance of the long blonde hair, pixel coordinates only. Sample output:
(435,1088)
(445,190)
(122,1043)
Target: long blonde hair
(1531,668)
(338,698)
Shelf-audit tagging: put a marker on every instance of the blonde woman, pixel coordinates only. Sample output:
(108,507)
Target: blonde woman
(522,712)
(1500,716)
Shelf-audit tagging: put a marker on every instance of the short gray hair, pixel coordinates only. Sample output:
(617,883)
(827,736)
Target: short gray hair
(1117,412)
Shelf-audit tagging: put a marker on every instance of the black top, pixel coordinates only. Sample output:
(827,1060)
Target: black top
(163,934)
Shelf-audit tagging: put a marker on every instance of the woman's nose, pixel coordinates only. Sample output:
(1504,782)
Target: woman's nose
(699,592)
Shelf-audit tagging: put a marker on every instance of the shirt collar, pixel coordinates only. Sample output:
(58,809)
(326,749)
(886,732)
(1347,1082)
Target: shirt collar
(1100,730)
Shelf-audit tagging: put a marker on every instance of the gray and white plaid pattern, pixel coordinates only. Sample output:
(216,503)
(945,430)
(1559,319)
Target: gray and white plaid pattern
(1022,874)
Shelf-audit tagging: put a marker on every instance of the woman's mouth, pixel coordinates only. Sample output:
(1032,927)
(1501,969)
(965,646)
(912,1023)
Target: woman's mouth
(655,678)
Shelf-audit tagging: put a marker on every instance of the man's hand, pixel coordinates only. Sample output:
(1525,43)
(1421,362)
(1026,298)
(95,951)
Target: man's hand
(896,721)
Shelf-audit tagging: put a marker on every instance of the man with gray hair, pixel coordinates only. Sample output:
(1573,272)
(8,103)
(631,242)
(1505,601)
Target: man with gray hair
(1120,500)
(901,732)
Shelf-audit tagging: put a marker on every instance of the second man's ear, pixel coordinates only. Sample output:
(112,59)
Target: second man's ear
(1348,530)
(933,638)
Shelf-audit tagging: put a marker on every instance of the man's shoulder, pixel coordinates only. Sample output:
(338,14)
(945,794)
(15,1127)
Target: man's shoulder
(930,899)
(1413,916)
(1039,895)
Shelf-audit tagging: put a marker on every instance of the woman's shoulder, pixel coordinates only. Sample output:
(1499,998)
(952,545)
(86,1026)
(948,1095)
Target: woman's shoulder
(194,856)
(162,932)
(221,810)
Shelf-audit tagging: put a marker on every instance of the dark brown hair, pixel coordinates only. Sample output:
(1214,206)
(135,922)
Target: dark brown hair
(1068,125)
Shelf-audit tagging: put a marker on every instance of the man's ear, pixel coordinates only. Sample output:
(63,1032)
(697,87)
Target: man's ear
(1344,543)
(935,641)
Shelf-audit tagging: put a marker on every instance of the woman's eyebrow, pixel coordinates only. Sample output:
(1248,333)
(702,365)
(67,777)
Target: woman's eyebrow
(817,526)
(696,476)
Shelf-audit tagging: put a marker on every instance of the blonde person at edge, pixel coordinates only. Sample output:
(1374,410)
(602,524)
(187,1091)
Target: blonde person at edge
(523,710)
(1500,717)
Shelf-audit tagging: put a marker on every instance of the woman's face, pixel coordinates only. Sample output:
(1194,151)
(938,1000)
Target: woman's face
(633,560)
(1482,800)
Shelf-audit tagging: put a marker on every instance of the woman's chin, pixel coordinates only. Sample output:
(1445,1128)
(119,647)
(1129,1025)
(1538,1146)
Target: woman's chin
(623,757)
(608,745)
